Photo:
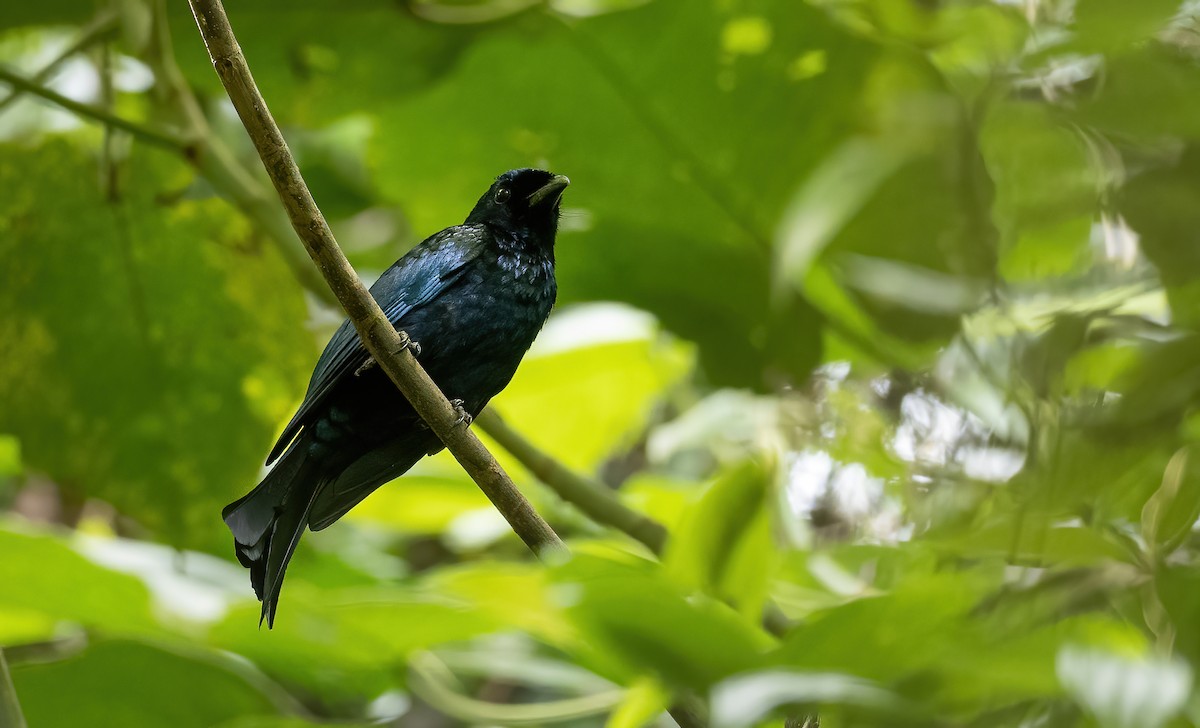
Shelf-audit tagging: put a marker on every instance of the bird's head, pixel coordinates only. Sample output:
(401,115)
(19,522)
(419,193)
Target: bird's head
(523,200)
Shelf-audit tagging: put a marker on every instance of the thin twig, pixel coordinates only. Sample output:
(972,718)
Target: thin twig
(217,164)
(387,346)
(145,133)
(101,27)
(10,707)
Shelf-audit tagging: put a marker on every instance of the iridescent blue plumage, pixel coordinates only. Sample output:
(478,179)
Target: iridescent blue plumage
(474,296)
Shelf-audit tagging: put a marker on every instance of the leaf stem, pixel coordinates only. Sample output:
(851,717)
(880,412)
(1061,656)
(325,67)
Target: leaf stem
(387,346)
(10,708)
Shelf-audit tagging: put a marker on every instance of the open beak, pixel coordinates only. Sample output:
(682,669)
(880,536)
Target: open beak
(549,192)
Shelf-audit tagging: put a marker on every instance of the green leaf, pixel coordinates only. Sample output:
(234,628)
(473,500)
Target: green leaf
(1112,24)
(1146,95)
(644,701)
(582,403)
(1158,206)
(724,545)
(358,637)
(743,701)
(10,456)
(1123,691)
(638,619)
(139,362)
(141,684)
(421,503)
(1043,173)
(36,566)
(1170,514)
(895,634)
(658,216)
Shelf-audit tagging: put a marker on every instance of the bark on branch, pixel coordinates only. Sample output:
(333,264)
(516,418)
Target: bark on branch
(385,344)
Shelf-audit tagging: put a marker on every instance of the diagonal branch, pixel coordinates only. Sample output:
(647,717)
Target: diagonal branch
(387,346)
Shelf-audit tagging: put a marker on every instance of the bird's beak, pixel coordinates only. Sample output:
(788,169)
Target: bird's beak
(549,192)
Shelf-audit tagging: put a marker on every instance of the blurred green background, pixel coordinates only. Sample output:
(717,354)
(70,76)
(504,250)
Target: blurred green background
(887,310)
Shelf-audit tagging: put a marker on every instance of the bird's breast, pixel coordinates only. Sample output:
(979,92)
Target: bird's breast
(473,338)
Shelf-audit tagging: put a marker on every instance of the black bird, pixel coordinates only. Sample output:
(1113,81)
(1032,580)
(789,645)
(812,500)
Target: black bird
(473,297)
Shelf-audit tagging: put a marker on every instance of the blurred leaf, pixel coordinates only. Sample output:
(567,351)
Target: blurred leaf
(632,613)
(1044,359)
(644,701)
(833,194)
(581,404)
(1158,205)
(140,684)
(135,347)
(724,544)
(1146,95)
(1026,540)
(53,12)
(1110,24)
(1043,173)
(899,633)
(1123,691)
(1170,514)
(1162,385)
(517,595)
(34,568)
(10,456)
(917,289)
(662,499)
(745,700)
(319,66)
(275,721)
(1178,588)
(421,503)
(358,638)
(652,195)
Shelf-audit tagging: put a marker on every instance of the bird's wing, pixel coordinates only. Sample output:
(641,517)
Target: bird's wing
(419,277)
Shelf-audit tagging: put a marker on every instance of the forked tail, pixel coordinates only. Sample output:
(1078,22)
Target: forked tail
(268,522)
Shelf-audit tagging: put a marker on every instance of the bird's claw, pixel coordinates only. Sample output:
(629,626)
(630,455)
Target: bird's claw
(366,366)
(411,344)
(406,342)
(464,417)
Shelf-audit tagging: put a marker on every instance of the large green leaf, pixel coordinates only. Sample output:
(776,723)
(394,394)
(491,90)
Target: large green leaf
(142,684)
(148,348)
(724,545)
(682,160)
(31,574)
(633,621)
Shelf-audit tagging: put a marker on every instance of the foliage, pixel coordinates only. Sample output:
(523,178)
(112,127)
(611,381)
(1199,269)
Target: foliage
(887,310)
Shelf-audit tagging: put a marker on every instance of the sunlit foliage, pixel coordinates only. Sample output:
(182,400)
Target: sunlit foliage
(886,309)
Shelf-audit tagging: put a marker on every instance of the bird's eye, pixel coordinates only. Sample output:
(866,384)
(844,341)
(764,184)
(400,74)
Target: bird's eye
(502,195)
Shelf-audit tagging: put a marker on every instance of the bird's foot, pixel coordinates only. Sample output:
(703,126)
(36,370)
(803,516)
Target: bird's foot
(410,343)
(367,365)
(464,417)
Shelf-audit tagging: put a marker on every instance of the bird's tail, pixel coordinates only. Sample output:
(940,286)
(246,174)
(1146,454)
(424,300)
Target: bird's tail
(268,521)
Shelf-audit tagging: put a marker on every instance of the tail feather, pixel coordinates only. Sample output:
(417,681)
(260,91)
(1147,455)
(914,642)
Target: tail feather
(267,524)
